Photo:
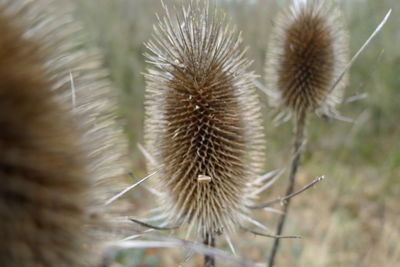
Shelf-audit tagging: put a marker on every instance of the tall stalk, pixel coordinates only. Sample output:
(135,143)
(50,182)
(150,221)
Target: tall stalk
(297,146)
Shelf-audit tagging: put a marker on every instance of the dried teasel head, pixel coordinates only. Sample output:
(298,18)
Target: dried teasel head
(307,52)
(58,140)
(203,123)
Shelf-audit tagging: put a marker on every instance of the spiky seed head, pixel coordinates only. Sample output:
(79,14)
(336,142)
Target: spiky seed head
(307,52)
(56,137)
(203,121)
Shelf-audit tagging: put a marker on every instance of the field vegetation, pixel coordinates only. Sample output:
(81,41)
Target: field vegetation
(352,218)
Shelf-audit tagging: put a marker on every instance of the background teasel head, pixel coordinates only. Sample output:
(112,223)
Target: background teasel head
(203,124)
(58,139)
(306,59)
(306,55)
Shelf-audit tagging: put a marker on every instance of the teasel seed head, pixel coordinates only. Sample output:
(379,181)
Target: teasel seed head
(203,123)
(307,52)
(58,139)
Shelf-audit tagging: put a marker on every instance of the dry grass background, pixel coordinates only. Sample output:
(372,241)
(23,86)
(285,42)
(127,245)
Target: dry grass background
(350,219)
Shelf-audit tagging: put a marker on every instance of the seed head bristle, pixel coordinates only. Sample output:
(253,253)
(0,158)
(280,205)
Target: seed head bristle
(203,123)
(307,53)
(57,143)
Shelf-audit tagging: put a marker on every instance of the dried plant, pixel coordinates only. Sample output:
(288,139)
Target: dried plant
(203,124)
(307,52)
(306,56)
(58,139)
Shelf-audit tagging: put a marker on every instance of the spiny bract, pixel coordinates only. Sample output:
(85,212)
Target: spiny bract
(203,123)
(307,53)
(58,141)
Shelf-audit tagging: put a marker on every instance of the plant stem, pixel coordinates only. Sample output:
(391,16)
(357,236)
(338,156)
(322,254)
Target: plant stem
(298,142)
(209,260)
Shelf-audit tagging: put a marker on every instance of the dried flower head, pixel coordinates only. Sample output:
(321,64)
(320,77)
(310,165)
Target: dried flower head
(58,140)
(307,52)
(203,123)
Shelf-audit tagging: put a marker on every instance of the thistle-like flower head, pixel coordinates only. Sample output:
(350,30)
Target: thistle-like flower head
(58,139)
(306,55)
(203,123)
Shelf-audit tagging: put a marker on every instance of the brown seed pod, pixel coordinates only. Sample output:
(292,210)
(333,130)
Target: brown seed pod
(307,52)
(56,137)
(203,123)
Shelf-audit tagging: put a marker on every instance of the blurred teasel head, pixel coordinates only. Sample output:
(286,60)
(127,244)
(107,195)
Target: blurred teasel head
(59,142)
(306,55)
(203,122)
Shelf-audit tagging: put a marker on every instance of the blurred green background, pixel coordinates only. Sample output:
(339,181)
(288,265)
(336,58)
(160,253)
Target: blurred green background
(350,219)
